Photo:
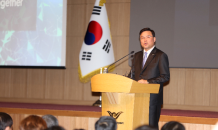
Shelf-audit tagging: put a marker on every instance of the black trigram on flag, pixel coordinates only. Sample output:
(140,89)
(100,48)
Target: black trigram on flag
(96,10)
(86,56)
(107,46)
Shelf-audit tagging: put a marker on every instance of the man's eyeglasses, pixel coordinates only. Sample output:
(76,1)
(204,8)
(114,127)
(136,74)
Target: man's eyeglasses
(147,37)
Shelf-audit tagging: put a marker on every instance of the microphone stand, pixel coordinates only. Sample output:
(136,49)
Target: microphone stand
(119,60)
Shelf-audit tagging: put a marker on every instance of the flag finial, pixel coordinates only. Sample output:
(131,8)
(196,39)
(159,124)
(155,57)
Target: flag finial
(102,2)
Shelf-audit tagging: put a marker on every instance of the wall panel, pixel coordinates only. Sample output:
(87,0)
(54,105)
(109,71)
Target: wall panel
(119,18)
(174,91)
(196,81)
(214,87)
(16,120)
(121,48)
(73,89)
(5,82)
(73,47)
(54,84)
(18,83)
(76,20)
(36,83)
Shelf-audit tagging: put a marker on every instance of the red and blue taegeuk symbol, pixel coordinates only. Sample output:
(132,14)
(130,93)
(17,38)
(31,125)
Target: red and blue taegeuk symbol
(94,33)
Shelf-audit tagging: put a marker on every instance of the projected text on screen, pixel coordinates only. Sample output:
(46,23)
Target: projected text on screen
(10,3)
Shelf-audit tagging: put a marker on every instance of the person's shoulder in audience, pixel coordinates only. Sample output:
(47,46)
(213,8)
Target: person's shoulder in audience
(33,122)
(145,127)
(50,120)
(6,121)
(173,125)
(106,123)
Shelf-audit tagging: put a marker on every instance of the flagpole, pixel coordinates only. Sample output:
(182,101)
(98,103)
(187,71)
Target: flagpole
(97,52)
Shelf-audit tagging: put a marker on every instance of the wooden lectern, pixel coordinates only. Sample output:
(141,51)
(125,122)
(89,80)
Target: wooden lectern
(124,99)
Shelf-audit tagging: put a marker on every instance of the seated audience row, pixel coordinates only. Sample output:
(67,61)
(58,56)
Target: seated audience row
(32,122)
(50,122)
(109,123)
(172,125)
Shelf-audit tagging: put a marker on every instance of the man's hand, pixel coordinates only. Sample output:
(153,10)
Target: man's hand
(143,81)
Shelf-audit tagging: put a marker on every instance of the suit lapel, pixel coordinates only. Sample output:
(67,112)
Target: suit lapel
(141,57)
(150,58)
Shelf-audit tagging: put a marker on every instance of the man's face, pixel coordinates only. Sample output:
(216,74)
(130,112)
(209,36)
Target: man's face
(147,40)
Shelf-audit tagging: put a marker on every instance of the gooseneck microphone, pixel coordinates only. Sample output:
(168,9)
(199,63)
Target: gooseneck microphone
(119,60)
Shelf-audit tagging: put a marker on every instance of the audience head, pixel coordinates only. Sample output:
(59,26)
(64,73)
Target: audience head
(106,123)
(55,128)
(50,120)
(173,125)
(33,122)
(6,121)
(146,127)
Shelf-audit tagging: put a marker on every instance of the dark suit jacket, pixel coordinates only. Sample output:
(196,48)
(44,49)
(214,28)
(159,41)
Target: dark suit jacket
(155,70)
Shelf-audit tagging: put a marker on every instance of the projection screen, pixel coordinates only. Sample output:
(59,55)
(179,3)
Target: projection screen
(186,30)
(33,33)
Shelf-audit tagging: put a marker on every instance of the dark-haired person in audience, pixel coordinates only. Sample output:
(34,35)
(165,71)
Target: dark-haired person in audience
(33,122)
(55,128)
(173,125)
(50,120)
(146,127)
(151,66)
(6,121)
(106,123)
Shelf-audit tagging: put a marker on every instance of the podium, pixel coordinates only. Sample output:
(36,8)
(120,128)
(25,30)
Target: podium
(124,99)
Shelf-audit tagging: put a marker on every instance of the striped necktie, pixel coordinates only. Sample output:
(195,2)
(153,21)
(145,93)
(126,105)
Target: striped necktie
(144,59)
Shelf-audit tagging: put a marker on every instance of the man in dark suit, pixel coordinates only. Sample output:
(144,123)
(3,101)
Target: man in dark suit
(149,66)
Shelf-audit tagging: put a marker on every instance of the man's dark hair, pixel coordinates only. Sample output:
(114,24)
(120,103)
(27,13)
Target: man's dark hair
(5,121)
(106,123)
(50,120)
(147,29)
(55,128)
(146,127)
(173,125)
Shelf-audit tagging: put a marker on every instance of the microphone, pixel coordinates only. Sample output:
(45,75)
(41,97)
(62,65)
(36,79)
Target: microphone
(119,60)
